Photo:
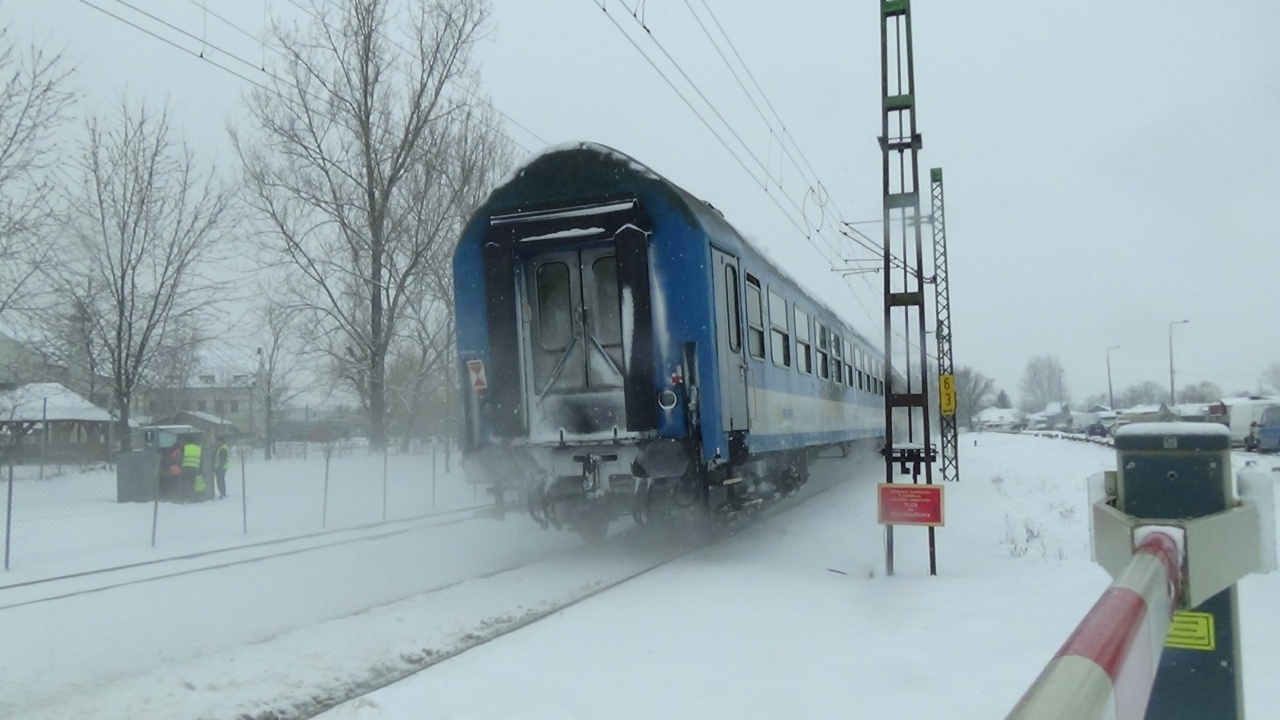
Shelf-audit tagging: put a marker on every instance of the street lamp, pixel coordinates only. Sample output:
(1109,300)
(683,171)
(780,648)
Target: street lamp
(1173,398)
(1111,397)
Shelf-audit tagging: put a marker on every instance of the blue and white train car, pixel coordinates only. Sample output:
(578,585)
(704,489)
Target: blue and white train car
(622,348)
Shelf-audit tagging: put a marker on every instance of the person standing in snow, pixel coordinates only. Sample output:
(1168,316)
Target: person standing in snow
(193,480)
(221,461)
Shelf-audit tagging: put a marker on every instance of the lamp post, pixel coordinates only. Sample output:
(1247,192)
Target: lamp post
(1111,396)
(1173,398)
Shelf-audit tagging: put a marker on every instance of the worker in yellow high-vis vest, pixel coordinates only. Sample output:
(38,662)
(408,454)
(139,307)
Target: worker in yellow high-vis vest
(191,468)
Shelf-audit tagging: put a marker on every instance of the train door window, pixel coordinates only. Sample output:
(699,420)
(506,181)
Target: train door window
(837,365)
(732,309)
(607,323)
(848,364)
(555,314)
(804,346)
(779,338)
(824,367)
(755,319)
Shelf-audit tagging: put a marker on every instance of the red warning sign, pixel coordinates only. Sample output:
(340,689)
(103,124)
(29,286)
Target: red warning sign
(478,382)
(902,504)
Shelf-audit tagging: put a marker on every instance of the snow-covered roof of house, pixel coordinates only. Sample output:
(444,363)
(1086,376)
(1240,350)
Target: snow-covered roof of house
(28,402)
(207,417)
(1141,409)
(1053,408)
(998,415)
(1230,401)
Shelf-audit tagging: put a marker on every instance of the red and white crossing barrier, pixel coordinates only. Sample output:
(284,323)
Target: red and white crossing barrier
(1108,665)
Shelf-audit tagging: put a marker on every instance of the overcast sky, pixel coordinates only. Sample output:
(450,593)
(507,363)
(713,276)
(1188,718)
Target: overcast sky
(1110,168)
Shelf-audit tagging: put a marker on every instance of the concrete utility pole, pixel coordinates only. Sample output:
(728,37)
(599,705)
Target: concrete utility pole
(1111,396)
(1173,398)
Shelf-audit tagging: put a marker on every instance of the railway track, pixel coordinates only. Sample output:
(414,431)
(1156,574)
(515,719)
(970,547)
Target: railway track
(58,587)
(645,550)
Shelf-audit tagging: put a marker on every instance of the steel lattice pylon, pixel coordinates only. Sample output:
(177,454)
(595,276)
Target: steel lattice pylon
(899,140)
(949,452)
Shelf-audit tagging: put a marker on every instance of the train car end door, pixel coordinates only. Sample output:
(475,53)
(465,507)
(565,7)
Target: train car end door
(732,365)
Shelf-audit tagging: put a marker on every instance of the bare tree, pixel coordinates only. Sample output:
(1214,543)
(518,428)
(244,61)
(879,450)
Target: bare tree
(423,375)
(973,393)
(1042,383)
(174,364)
(142,220)
(1148,392)
(33,100)
(1002,400)
(1201,392)
(1271,376)
(282,367)
(354,130)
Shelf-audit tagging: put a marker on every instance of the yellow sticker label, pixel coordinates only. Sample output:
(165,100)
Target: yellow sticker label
(1191,631)
(947,394)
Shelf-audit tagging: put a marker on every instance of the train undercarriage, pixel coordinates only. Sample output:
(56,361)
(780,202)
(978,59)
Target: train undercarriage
(594,486)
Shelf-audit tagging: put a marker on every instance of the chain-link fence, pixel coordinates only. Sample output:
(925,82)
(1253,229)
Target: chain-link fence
(62,518)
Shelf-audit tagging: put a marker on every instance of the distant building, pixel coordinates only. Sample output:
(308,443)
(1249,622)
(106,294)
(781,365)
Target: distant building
(20,365)
(48,420)
(229,399)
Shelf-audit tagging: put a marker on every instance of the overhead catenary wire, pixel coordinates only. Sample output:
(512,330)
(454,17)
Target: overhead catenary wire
(261,67)
(816,186)
(173,44)
(704,121)
(475,96)
(720,116)
(807,233)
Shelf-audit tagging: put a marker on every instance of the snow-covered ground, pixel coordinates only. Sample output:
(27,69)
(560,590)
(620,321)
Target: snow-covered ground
(792,616)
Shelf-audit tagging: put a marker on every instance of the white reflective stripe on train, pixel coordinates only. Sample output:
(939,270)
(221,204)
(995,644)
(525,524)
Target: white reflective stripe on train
(778,412)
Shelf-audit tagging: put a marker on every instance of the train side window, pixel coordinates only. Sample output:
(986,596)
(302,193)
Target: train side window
(732,308)
(824,367)
(848,364)
(779,339)
(861,358)
(804,346)
(837,364)
(555,314)
(755,319)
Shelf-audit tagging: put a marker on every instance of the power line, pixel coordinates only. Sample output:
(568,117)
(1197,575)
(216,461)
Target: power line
(815,184)
(806,233)
(261,67)
(167,41)
(784,134)
(702,119)
(464,88)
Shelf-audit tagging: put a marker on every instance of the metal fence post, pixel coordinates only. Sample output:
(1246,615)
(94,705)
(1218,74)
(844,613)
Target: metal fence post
(244,494)
(8,517)
(324,510)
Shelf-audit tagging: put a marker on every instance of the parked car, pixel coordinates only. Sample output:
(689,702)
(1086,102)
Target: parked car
(1096,430)
(1266,434)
